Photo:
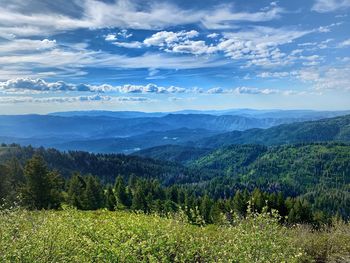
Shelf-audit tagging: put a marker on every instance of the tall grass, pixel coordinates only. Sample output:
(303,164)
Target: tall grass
(102,236)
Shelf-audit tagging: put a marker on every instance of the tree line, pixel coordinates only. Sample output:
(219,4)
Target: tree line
(37,187)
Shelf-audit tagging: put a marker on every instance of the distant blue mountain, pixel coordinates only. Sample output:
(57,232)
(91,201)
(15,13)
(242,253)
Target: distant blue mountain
(128,131)
(269,113)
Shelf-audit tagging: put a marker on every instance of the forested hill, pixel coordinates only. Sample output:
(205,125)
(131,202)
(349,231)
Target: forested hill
(320,172)
(176,153)
(332,129)
(296,169)
(105,166)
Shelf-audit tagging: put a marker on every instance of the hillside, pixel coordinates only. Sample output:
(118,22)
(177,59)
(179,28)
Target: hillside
(293,169)
(127,132)
(134,143)
(311,170)
(106,166)
(331,129)
(175,153)
(319,172)
(27,126)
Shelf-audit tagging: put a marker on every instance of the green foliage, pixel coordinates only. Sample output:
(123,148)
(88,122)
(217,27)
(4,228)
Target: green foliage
(103,236)
(104,166)
(122,196)
(330,244)
(139,198)
(331,129)
(42,188)
(111,201)
(76,188)
(93,194)
(319,173)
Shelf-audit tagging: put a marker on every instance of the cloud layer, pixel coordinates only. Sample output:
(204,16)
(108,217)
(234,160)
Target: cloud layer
(65,51)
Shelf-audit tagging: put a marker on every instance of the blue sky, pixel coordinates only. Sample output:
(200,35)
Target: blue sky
(172,55)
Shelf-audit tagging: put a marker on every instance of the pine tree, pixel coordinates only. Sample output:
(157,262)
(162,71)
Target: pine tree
(215,214)
(300,212)
(281,205)
(4,184)
(258,201)
(205,207)
(93,195)
(111,201)
(42,189)
(76,190)
(122,197)
(15,171)
(239,204)
(139,198)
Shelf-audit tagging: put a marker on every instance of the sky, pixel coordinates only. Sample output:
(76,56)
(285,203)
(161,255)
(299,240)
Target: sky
(172,55)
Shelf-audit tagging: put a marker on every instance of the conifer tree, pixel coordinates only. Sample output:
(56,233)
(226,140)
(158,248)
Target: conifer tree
(111,201)
(239,204)
(93,195)
(139,198)
(122,197)
(76,191)
(4,183)
(205,207)
(42,188)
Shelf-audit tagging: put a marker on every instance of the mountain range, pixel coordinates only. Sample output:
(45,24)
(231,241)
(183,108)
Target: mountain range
(128,131)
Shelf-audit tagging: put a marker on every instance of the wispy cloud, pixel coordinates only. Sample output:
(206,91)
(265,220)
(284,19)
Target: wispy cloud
(323,6)
(253,91)
(123,14)
(326,78)
(76,99)
(345,43)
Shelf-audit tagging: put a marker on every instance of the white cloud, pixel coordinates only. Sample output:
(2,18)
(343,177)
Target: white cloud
(345,43)
(192,47)
(217,90)
(259,45)
(252,91)
(115,36)
(168,38)
(19,45)
(327,78)
(124,33)
(18,99)
(77,99)
(213,35)
(311,46)
(127,14)
(111,37)
(180,42)
(326,29)
(132,44)
(223,17)
(150,88)
(70,60)
(323,6)
(36,85)
(281,74)
(28,85)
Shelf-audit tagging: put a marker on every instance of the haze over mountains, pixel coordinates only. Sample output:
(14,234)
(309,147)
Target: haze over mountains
(128,131)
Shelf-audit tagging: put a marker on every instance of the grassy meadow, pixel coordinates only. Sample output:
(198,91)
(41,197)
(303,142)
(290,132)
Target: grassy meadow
(103,236)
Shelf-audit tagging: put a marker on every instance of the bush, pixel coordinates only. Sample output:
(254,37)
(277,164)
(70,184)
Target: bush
(103,236)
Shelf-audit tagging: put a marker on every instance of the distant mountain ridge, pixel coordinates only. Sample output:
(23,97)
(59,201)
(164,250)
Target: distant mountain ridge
(331,129)
(268,113)
(127,132)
